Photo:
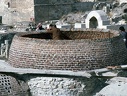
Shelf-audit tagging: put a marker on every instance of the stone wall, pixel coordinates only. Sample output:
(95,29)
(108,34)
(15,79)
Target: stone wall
(23,11)
(19,10)
(40,10)
(54,9)
(91,49)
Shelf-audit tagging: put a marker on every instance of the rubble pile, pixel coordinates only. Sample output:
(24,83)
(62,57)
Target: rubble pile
(111,83)
(54,86)
(117,12)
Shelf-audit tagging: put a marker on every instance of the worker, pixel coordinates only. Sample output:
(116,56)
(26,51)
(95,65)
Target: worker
(55,32)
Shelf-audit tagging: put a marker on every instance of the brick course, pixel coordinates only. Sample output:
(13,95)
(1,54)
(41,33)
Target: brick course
(85,50)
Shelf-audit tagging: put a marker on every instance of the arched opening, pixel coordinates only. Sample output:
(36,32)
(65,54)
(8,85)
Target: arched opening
(93,22)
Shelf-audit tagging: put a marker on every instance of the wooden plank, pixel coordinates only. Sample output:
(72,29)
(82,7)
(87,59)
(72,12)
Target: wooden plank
(22,71)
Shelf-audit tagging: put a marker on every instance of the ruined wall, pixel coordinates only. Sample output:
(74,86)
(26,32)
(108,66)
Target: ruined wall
(16,11)
(78,54)
(41,10)
(23,10)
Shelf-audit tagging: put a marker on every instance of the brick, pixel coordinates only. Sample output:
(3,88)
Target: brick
(78,54)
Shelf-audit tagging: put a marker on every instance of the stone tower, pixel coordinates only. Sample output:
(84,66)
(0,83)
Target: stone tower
(16,10)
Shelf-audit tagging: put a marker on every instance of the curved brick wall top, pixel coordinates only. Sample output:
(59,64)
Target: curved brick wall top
(88,49)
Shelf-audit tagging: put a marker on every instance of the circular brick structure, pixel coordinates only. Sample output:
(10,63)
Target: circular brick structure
(77,50)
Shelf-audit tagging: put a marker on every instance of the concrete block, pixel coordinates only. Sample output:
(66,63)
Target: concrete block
(79,25)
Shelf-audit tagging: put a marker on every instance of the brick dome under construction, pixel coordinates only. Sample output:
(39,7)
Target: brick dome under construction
(77,51)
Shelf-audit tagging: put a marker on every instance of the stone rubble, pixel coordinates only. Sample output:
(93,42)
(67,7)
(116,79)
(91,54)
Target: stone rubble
(42,86)
(117,87)
(55,86)
(116,12)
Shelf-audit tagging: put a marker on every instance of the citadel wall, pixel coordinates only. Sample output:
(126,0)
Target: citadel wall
(55,9)
(16,11)
(39,10)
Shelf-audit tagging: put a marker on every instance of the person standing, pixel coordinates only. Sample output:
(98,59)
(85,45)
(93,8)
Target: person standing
(55,32)
(123,33)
